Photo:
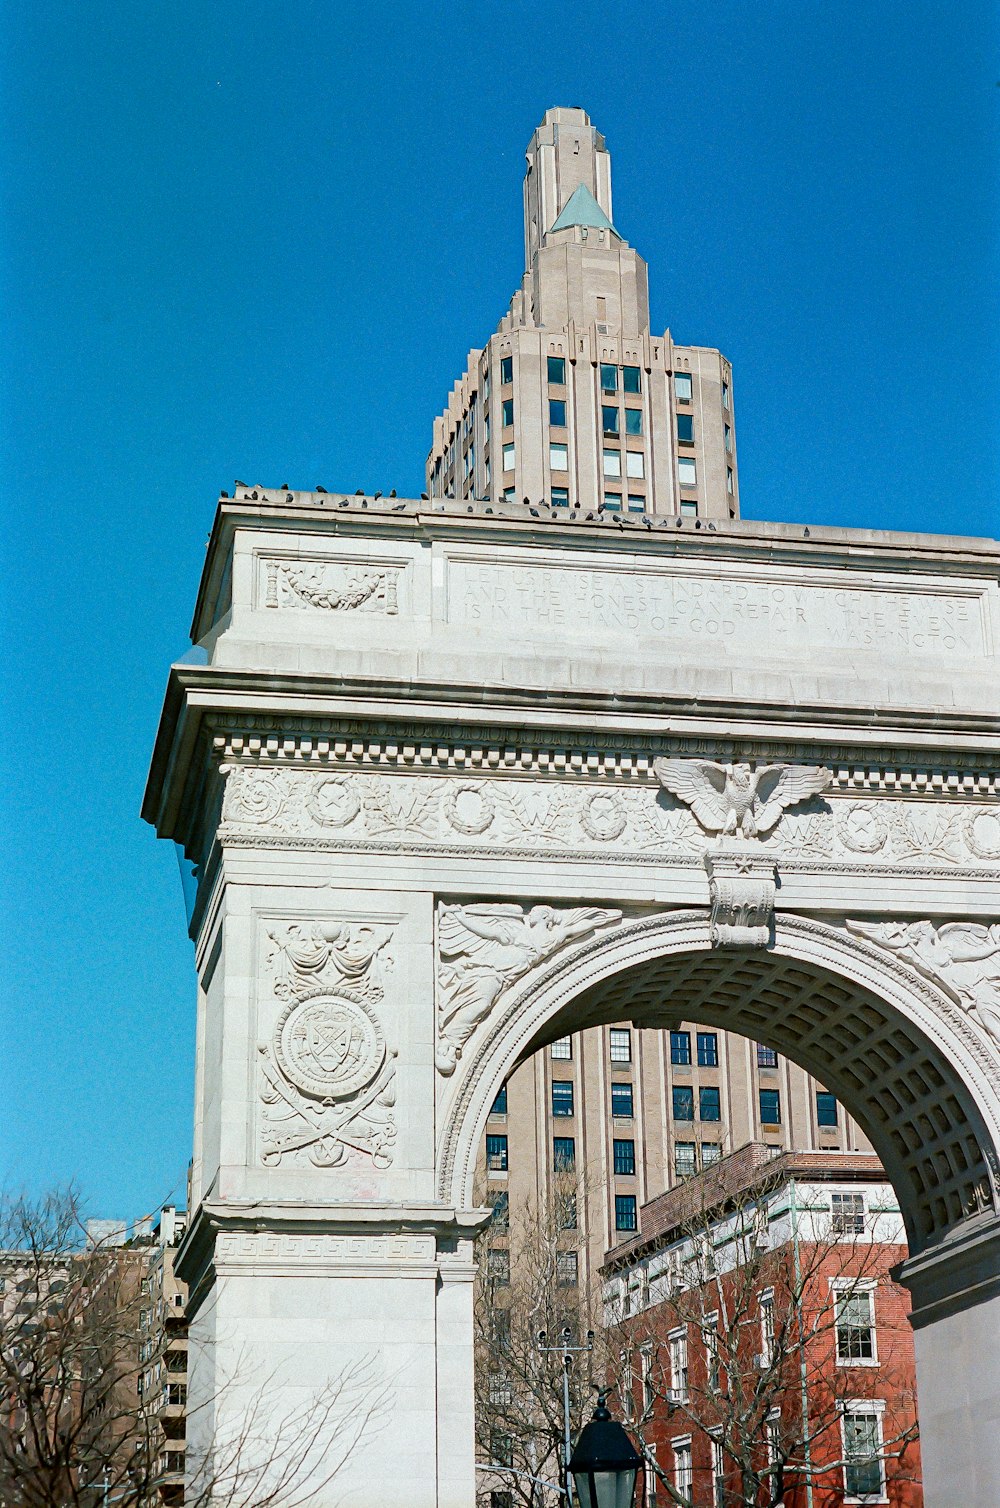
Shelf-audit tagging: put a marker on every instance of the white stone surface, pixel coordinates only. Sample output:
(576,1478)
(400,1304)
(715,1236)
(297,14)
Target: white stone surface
(409,716)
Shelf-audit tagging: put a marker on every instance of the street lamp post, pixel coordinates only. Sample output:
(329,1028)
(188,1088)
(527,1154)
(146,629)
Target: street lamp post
(605,1463)
(568,1352)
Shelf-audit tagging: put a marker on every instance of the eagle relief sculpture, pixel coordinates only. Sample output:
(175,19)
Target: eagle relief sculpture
(737,799)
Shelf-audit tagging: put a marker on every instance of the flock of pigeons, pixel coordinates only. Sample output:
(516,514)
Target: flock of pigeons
(540,510)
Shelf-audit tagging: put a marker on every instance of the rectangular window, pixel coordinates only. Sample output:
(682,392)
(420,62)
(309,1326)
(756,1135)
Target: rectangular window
(506,369)
(770,1107)
(560,497)
(621,1101)
(767,1328)
(847,1214)
(566,1211)
(609,378)
(557,412)
(559,457)
(826,1108)
(684,1159)
(687,471)
(864,1476)
(508,492)
(725,395)
(708,1050)
(621,1044)
(708,1103)
(677,1352)
(508,460)
(766,1057)
(633,421)
(499,1106)
(612,502)
(566,1269)
(562,1049)
(624,1157)
(556,369)
(685,429)
(636,502)
(854,1309)
(496,1154)
(501,1448)
(563,1153)
(562,1097)
(612,463)
(498,1266)
(625,1212)
(682,386)
(710,1152)
(729,480)
(507,411)
(646,1374)
(689,509)
(609,421)
(680,1048)
(682,1469)
(712,1354)
(501,1211)
(728,440)
(718,1474)
(683,1102)
(631,379)
(635,463)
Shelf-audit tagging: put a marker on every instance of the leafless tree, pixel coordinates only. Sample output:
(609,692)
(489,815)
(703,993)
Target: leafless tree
(75,1430)
(736,1344)
(529,1283)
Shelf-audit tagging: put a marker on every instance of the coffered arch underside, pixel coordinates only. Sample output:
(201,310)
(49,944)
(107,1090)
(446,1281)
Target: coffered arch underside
(903,1059)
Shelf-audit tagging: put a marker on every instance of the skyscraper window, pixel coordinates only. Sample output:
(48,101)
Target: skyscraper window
(556,371)
(609,378)
(631,379)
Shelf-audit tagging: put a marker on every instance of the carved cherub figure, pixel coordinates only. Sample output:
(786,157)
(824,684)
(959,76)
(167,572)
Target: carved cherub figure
(483,949)
(736,798)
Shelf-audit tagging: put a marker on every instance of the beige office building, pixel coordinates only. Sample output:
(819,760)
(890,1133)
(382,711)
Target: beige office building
(574,402)
(633,1112)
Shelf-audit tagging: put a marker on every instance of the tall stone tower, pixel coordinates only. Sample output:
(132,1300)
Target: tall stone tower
(574,401)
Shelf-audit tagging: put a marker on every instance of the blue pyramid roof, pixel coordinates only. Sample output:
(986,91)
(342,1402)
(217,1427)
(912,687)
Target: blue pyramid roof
(583,209)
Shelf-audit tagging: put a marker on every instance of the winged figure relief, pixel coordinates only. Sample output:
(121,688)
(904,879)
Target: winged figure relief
(483,949)
(737,798)
(964,957)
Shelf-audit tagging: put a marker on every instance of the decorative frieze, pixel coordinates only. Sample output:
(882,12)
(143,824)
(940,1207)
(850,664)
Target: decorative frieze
(264,1248)
(327,1075)
(483,950)
(581,816)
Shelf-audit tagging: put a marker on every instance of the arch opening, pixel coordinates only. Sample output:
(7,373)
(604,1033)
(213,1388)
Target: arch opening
(896,1053)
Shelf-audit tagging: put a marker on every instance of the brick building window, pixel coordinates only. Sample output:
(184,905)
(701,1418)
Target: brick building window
(625,1212)
(682,1102)
(624,1157)
(684,1159)
(680,1048)
(826,1108)
(563,1153)
(708,1050)
(770,1107)
(864,1473)
(496,1154)
(621,1101)
(709,1107)
(562,1097)
(621,1044)
(847,1214)
(855,1312)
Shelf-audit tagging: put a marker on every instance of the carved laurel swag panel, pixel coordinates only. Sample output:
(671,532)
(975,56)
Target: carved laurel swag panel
(576,815)
(326,1074)
(329,586)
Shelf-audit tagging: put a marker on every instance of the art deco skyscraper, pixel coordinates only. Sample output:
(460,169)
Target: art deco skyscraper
(574,401)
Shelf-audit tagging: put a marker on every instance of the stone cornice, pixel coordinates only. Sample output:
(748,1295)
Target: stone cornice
(248,715)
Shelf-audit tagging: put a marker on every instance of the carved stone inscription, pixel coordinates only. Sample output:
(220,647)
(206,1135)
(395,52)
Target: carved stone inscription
(326,1073)
(768,613)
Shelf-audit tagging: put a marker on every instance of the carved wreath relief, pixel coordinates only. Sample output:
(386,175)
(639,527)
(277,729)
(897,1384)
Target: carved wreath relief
(327,1075)
(483,950)
(329,586)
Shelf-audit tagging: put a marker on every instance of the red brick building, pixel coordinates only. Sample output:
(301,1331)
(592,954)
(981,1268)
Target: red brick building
(764,1353)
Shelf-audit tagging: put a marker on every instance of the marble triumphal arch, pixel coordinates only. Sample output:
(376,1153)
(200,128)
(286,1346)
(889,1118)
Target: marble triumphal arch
(455,782)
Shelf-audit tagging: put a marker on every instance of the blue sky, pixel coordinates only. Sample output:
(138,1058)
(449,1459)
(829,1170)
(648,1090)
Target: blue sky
(258,240)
